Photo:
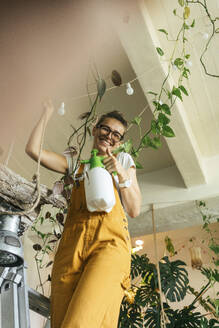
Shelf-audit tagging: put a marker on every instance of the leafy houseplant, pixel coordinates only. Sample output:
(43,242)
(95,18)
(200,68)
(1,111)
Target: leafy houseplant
(141,308)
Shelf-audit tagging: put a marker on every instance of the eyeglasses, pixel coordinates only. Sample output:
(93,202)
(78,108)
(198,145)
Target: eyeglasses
(106,130)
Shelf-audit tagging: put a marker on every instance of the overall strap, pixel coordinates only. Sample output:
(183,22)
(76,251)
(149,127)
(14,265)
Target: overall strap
(80,171)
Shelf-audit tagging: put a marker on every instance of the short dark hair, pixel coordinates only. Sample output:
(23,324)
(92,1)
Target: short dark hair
(114,114)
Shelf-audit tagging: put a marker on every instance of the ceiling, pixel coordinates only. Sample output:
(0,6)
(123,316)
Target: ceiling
(54,49)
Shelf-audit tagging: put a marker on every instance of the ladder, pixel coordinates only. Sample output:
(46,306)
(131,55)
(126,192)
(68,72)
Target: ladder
(17,299)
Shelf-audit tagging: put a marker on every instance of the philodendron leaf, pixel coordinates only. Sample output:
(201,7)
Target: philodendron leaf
(126,147)
(146,141)
(178,62)
(166,109)
(193,23)
(101,88)
(183,89)
(168,132)
(155,127)
(181,2)
(160,51)
(138,165)
(176,92)
(156,143)
(136,120)
(162,118)
(152,93)
(163,31)
(214,248)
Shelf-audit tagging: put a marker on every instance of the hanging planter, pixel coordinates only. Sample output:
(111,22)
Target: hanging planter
(196,259)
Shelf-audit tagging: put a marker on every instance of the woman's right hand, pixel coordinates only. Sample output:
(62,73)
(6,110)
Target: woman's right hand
(48,107)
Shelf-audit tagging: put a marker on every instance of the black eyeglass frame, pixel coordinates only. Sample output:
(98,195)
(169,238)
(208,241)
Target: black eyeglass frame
(111,131)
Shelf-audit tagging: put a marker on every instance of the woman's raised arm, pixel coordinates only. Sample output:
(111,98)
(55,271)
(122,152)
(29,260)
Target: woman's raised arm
(51,160)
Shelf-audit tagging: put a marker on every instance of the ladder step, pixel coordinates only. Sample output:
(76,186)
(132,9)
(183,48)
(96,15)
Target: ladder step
(38,303)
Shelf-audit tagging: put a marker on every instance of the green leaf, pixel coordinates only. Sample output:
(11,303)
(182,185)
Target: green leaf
(101,88)
(138,165)
(134,152)
(178,62)
(163,31)
(214,248)
(186,27)
(185,72)
(186,12)
(154,127)
(187,56)
(183,89)
(216,302)
(156,143)
(193,23)
(174,12)
(136,120)
(216,262)
(126,147)
(168,132)
(162,118)
(176,92)
(166,109)
(146,141)
(181,2)
(160,51)
(157,104)
(152,93)
(174,279)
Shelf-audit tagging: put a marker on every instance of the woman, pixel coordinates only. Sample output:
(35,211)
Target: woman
(92,265)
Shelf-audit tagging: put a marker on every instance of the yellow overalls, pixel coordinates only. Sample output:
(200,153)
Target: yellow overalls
(92,266)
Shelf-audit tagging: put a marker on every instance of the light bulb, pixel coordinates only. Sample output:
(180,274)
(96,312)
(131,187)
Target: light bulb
(129,89)
(139,242)
(205,36)
(188,63)
(61,110)
(174,67)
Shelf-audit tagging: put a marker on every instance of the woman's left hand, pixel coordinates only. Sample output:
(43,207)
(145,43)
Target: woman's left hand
(112,165)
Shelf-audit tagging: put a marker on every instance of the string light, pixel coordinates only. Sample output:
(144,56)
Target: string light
(61,110)
(139,242)
(129,89)
(174,67)
(205,35)
(188,63)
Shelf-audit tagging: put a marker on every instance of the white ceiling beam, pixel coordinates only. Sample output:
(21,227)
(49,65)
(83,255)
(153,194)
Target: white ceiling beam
(139,40)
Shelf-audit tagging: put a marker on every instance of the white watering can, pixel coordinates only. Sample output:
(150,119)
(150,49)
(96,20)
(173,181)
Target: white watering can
(98,183)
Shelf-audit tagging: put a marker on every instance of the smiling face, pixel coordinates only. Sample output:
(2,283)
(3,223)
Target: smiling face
(107,135)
